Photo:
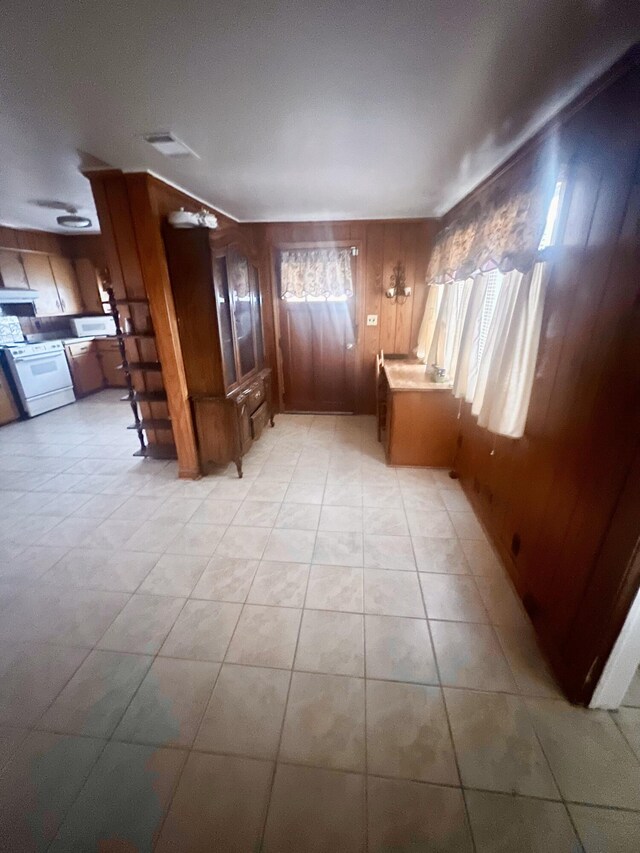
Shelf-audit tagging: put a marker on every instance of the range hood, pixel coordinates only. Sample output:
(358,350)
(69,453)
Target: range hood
(17,295)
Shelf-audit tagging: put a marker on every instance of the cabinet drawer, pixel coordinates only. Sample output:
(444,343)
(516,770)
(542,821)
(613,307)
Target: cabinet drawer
(253,395)
(258,421)
(104,344)
(80,349)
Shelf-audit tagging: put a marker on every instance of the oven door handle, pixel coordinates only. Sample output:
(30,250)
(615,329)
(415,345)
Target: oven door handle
(30,358)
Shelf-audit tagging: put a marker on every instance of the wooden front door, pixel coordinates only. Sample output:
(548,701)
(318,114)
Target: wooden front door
(318,345)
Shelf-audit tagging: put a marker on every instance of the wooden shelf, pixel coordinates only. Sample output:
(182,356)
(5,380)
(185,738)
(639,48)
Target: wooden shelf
(152,423)
(158,451)
(141,366)
(144,397)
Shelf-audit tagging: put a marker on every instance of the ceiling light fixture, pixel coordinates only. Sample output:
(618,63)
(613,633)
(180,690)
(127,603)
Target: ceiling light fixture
(71,219)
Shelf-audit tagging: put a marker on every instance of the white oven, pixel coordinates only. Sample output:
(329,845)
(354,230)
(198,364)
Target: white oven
(93,327)
(41,374)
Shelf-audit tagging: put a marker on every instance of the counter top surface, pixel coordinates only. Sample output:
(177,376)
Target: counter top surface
(87,339)
(412,376)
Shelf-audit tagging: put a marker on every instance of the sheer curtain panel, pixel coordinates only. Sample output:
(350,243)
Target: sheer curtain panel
(429,320)
(507,367)
(445,345)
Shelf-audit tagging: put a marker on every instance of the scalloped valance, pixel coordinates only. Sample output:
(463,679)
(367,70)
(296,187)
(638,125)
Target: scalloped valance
(316,273)
(499,226)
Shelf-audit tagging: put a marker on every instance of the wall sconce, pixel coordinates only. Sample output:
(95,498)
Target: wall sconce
(398,291)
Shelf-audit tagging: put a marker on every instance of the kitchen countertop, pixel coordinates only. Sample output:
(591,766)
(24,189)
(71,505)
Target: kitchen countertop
(412,376)
(86,338)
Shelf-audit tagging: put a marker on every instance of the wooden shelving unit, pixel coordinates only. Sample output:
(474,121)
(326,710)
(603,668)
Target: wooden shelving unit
(135,396)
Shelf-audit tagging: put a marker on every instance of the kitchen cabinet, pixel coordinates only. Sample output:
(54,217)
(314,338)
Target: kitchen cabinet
(40,277)
(56,282)
(8,408)
(89,284)
(110,361)
(67,285)
(12,272)
(84,364)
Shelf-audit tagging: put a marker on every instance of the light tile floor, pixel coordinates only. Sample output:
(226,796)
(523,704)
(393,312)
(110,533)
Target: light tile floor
(325,655)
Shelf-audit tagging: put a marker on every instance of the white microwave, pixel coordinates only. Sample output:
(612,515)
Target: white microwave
(89,327)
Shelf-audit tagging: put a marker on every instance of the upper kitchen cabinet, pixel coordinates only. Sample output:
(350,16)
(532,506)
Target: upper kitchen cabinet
(55,280)
(40,278)
(12,272)
(89,283)
(67,285)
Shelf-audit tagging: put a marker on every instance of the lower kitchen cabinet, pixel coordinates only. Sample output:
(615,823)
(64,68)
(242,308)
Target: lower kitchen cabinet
(86,371)
(8,409)
(110,361)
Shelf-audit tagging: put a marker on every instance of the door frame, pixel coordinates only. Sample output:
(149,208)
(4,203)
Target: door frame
(359,307)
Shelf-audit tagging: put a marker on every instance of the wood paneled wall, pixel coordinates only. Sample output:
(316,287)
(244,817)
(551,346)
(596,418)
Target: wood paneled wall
(555,492)
(23,240)
(68,245)
(381,245)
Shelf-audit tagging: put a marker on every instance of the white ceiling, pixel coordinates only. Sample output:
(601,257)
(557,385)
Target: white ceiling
(299,110)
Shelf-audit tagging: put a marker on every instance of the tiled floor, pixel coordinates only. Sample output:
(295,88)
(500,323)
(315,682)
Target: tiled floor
(325,655)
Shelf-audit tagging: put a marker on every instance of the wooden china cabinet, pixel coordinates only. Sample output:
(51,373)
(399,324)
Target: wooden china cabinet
(217,300)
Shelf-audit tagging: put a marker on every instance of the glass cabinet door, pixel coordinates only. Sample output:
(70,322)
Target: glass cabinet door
(220,278)
(242,300)
(254,283)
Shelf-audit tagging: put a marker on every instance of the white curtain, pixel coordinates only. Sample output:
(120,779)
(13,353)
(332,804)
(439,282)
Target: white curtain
(466,374)
(486,335)
(502,391)
(445,344)
(429,319)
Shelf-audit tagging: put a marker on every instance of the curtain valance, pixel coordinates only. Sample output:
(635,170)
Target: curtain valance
(318,273)
(500,226)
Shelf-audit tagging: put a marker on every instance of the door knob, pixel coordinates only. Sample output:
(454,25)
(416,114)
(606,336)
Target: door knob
(349,346)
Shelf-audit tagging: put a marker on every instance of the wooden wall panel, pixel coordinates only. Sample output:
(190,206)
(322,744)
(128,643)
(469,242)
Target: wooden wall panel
(559,487)
(67,245)
(382,244)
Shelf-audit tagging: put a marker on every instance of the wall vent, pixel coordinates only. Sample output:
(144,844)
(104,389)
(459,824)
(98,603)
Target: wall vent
(169,145)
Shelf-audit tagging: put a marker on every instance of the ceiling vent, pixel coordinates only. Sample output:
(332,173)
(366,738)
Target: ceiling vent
(169,145)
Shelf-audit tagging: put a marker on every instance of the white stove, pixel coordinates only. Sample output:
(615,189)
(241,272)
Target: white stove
(41,374)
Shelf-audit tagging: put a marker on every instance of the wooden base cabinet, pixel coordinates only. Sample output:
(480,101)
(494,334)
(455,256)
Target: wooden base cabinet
(417,417)
(8,409)
(85,368)
(228,426)
(110,361)
(217,298)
